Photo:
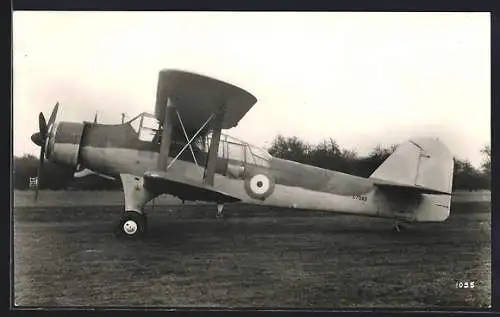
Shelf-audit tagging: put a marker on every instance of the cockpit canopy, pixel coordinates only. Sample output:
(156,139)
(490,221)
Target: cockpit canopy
(146,126)
(234,149)
(148,129)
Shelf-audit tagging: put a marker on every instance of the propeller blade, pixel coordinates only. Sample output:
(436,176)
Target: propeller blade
(42,125)
(53,115)
(39,171)
(37,139)
(95,118)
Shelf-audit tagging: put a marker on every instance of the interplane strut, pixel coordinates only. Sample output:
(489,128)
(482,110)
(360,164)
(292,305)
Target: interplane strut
(190,140)
(187,138)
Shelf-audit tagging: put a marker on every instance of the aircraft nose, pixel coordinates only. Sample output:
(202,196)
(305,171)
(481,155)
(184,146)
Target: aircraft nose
(37,139)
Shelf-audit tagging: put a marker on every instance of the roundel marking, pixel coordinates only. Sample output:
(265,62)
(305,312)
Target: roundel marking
(259,186)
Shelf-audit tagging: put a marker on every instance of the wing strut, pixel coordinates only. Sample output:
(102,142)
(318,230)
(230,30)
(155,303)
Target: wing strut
(190,140)
(208,177)
(187,138)
(166,136)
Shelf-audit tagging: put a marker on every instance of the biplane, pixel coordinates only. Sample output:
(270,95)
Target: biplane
(181,150)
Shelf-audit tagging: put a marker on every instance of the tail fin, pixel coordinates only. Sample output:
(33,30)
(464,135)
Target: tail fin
(422,168)
(423,163)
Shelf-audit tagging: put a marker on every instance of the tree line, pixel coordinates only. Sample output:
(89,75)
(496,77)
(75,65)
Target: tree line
(329,155)
(325,154)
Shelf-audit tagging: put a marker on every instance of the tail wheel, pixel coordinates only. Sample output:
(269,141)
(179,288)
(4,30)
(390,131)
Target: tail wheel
(132,224)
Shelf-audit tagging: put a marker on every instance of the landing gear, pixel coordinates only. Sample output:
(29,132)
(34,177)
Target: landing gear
(220,211)
(132,225)
(398,227)
(133,222)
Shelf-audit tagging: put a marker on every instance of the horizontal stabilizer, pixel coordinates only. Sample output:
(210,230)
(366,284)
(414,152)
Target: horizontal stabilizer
(408,188)
(160,182)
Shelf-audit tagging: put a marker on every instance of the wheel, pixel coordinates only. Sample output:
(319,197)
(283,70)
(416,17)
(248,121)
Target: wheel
(132,225)
(220,211)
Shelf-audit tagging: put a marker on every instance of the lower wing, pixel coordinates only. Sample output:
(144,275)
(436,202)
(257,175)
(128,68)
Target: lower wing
(185,189)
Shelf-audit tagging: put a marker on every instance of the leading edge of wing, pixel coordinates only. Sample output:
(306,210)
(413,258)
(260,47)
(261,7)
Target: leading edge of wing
(408,188)
(161,182)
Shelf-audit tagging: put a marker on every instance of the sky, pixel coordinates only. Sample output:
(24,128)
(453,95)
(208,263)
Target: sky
(364,79)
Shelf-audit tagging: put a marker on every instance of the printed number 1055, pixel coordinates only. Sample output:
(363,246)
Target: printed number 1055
(465,284)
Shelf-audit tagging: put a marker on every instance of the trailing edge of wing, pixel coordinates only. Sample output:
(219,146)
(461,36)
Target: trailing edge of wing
(160,182)
(408,188)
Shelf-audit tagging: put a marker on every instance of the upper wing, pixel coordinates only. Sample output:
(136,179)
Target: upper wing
(197,97)
(185,189)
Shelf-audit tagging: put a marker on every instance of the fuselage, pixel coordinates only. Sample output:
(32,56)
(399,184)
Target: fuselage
(116,149)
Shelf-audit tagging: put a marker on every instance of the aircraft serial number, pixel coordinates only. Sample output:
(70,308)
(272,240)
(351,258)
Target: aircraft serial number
(359,197)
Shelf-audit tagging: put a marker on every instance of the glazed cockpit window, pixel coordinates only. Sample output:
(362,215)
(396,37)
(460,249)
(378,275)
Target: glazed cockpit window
(204,145)
(146,126)
(259,155)
(135,123)
(234,149)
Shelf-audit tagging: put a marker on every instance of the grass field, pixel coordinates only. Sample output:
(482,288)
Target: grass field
(78,198)
(254,257)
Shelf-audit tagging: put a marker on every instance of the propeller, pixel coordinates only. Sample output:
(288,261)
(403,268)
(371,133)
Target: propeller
(40,139)
(95,117)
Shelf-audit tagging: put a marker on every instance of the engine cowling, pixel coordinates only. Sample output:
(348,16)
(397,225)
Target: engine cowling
(64,143)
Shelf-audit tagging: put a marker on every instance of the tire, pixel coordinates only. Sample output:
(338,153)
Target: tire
(132,225)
